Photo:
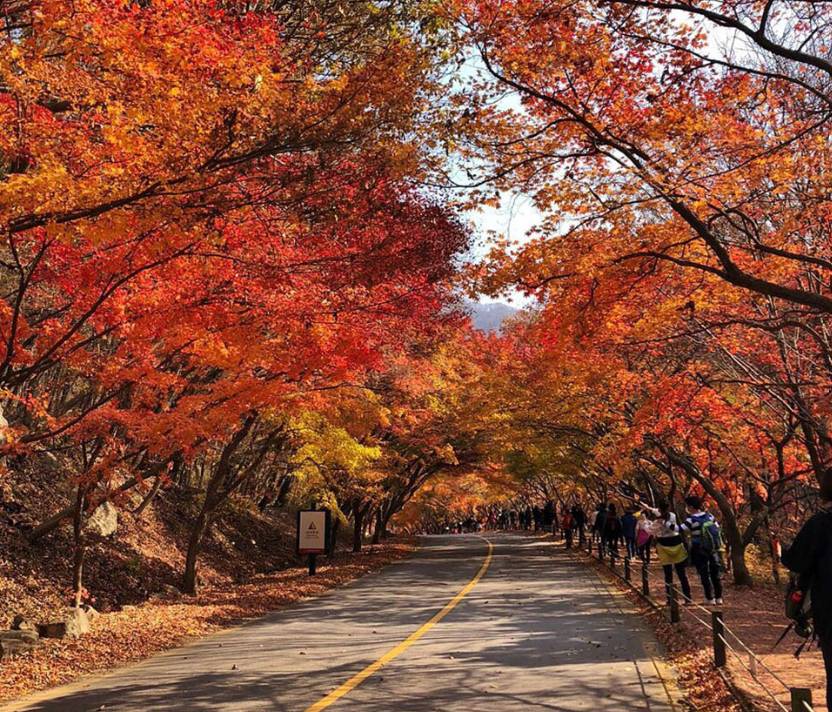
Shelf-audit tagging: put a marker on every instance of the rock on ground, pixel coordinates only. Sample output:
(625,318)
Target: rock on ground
(103,521)
(17,642)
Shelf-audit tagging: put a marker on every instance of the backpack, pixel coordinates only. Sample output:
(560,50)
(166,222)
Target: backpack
(711,537)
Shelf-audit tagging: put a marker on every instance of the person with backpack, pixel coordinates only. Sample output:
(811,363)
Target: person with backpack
(705,548)
(628,530)
(673,556)
(810,556)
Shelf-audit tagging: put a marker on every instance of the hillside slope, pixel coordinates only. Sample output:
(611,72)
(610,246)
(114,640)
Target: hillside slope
(145,556)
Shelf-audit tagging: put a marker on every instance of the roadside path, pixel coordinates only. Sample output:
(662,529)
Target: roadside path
(534,632)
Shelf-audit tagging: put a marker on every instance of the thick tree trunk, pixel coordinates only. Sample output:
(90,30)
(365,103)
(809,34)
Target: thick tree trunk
(742,576)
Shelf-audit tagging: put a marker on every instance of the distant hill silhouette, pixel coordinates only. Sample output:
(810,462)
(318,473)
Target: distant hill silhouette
(490,317)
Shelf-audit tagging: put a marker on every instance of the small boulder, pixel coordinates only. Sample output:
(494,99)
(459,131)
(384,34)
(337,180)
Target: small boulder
(77,623)
(103,521)
(17,642)
(92,614)
(21,623)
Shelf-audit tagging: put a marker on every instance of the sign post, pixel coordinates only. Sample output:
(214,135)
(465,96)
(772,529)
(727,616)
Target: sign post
(312,534)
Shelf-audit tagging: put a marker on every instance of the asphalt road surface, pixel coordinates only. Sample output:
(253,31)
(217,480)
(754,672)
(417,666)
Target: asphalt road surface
(535,631)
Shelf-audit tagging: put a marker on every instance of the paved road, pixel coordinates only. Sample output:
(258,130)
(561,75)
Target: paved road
(538,631)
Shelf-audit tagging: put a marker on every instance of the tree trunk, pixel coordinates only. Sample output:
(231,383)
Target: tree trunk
(358,528)
(283,492)
(774,549)
(378,527)
(190,575)
(736,548)
(385,521)
(333,537)
(80,547)
(157,485)
(216,493)
(733,535)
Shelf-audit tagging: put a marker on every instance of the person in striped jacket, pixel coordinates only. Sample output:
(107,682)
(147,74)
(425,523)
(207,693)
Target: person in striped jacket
(705,545)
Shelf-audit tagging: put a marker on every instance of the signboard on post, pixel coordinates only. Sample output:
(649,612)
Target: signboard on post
(313,534)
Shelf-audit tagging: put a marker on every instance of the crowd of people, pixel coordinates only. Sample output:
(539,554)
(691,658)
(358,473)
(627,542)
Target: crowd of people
(633,531)
(640,529)
(637,530)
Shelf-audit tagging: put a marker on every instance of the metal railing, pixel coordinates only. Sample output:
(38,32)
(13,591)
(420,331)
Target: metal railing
(800,698)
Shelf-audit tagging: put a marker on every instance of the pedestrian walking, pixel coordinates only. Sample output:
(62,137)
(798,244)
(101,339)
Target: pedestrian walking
(612,531)
(568,527)
(670,547)
(705,548)
(810,556)
(628,530)
(644,537)
(598,526)
(549,516)
(579,518)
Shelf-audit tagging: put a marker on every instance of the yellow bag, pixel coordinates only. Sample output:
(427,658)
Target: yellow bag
(675,554)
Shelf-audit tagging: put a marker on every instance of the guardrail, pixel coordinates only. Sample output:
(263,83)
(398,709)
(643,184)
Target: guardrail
(800,697)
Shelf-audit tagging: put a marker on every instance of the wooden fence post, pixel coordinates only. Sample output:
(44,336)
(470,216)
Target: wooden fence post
(720,655)
(801,699)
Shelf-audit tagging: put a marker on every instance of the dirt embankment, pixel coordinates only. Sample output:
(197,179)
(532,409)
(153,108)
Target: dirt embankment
(248,567)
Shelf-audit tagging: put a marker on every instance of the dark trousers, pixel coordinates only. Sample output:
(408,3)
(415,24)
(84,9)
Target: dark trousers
(631,547)
(682,576)
(708,568)
(826,647)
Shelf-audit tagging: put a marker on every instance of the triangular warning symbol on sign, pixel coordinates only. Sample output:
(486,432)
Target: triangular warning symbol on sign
(312,527)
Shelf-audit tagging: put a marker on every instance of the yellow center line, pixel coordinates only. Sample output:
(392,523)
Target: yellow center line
(372,668)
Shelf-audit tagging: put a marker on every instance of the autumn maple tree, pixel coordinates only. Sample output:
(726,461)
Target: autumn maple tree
(209,221)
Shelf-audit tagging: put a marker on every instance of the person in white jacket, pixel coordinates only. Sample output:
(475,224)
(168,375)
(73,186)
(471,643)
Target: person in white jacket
(644,536)
(671,548)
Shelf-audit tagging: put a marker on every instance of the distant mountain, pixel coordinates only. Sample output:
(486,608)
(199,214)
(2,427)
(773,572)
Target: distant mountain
(490,317)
